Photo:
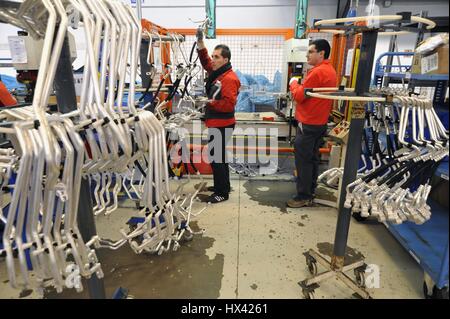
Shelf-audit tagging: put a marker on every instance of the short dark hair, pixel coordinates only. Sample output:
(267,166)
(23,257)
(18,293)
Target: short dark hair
(322,45)
(224,51)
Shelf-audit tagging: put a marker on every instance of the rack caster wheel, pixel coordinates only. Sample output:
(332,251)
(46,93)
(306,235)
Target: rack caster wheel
(436,293)
(308,293)
(311,262)
(132,227)
(360,276)
(359,218)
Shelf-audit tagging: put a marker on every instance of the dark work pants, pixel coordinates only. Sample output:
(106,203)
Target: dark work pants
(307,158)
(220,168)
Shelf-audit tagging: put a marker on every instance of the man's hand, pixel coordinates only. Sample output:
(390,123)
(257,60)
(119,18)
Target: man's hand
(199,35)
(295,78)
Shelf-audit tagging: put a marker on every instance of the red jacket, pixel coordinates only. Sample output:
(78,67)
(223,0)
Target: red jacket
(229,92)
(314,111)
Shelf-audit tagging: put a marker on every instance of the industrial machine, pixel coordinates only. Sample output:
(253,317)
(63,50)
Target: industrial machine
(294,60)
(26,56)
(294,64)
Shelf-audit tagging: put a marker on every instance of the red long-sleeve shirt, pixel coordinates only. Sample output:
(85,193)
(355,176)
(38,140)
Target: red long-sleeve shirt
(229,92)
(314,111)
(6,99)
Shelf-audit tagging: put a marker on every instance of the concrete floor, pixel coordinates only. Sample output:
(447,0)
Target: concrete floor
(253,248)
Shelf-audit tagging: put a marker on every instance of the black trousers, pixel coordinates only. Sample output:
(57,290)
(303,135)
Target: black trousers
(307,158)
(218,139)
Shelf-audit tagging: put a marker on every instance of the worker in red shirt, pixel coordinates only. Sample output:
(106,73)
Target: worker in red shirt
(312,116)
(222,87)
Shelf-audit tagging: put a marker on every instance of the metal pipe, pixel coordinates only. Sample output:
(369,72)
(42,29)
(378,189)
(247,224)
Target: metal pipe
(65,95)
(139,9)
(322,150)
(164,38)
(363,78)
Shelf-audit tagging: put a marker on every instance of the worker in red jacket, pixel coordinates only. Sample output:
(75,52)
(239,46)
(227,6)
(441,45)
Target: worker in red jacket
(312,116)
(222,87)
(6,99)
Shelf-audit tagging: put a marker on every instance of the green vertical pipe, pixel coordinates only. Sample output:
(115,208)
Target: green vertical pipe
(300,18)
(210,7)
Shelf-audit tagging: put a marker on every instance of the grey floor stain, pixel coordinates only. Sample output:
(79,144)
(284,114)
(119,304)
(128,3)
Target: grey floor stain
(351,255)
(326,194)
(204,188)
(272,231)
(185,273)
(203,198)
(270,236)
(276,196)
(300,224)
(304,217)
(254,286)
(25,293)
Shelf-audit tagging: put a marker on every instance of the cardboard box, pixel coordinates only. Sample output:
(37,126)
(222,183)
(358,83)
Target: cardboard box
(435,62)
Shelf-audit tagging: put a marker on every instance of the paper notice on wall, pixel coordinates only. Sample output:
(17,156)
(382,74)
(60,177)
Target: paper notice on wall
(157,58)
(18,49)
(429,63)
(348,63)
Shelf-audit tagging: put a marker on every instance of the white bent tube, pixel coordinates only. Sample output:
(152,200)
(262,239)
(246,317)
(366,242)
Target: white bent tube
(430,24)
(347,98)
(332,89)
(336,31)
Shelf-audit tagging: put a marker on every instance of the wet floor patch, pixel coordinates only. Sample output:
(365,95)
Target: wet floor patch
(351,255)
(326,194)
(271,194)
(185,273)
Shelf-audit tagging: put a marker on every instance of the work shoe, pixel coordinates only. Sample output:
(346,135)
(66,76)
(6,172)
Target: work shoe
(297,203)
(216,198)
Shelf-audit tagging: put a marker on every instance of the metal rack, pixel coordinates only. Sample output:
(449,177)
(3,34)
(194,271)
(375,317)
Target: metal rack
(66,100)
(428,244)
(337,268)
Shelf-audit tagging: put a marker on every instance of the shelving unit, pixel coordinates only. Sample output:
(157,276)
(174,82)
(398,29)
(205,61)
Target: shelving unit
(428,243)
